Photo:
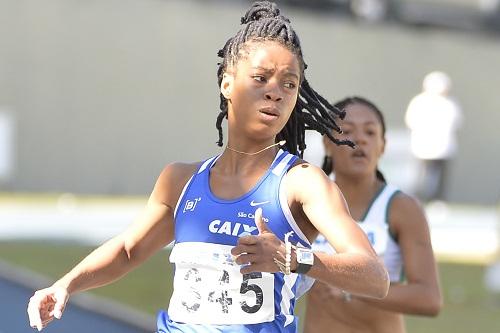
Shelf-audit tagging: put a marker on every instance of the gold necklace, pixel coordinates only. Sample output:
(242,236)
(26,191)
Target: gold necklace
(280,143)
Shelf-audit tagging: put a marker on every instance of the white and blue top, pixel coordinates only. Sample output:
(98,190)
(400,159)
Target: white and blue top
(210,294)
(376,226)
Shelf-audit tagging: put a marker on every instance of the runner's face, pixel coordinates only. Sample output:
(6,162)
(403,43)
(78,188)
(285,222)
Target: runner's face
(362,126)
(262,90)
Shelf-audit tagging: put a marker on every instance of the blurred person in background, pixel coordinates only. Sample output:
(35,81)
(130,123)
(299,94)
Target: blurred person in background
(242,222)
(371,10)
(492,272)
(433,117)
(394,223)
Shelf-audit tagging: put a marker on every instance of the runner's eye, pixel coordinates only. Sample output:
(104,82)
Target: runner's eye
(259,78)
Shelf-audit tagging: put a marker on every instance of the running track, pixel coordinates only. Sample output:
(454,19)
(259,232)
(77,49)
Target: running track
(78,317)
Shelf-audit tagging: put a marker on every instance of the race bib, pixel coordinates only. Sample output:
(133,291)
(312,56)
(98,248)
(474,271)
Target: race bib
(209,288)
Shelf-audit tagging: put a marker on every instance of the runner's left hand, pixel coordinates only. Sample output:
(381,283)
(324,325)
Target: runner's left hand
(256,252)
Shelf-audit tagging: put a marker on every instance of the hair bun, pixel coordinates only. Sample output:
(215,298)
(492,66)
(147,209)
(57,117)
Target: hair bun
(261,10)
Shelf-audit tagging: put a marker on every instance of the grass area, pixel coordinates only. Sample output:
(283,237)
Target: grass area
(468,306)
(147,288)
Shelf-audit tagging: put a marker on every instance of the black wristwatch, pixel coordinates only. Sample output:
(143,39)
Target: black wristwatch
(305,260)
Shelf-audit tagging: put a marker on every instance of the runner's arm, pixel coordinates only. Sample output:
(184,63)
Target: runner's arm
(355,267)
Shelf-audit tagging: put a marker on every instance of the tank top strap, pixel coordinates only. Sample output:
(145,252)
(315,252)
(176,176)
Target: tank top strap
(283,161)
(207,164)
(380,206)
(203,166)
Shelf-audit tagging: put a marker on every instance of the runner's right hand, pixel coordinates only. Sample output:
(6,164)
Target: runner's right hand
(45,305)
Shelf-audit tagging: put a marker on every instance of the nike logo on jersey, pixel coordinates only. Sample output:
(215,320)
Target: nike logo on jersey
(253,203)
(230,228)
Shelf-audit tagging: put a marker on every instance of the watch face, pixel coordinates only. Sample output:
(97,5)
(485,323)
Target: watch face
(305,257)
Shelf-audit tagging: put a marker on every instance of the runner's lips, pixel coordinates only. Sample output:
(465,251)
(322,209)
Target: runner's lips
(358,153)
(270,111)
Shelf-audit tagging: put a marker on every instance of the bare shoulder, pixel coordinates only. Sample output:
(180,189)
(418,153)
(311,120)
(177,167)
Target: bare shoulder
(305,176)
(405,210)
(317,204)
(306,182)
(172,180)
(404,205)
(177,171)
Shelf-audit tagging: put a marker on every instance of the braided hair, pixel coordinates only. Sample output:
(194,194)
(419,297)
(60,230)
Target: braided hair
(342,105)
(263,22)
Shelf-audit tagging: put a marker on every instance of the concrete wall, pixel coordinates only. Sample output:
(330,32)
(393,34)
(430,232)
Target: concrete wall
(104,93)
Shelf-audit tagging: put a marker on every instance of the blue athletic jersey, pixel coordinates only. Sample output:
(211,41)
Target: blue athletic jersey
(210,294)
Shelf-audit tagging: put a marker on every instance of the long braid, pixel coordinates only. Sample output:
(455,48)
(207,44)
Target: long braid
(263,22)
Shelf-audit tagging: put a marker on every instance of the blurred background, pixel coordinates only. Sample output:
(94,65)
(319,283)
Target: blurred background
(97,96)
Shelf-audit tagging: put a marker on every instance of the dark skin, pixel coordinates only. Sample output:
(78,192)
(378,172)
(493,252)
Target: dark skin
(261,89)
(420,294)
